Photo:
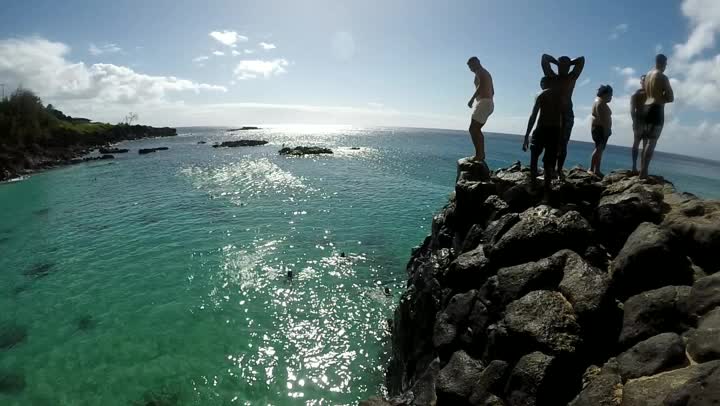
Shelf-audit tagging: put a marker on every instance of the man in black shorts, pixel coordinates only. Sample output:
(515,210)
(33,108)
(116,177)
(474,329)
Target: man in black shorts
(548,133)
(658,92)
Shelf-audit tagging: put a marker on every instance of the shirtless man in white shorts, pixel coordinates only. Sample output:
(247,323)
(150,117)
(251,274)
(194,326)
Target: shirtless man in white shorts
(482,100)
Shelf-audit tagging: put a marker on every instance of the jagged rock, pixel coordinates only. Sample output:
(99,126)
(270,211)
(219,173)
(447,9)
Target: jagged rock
(477,322)
(496,229)
(468,271)
(522,196)
(492,209)
(423,391)
(456,380)
(470,170)
(469,195)
(651,391)
(542,320)
(597,256)
(515,281)
(657,311)
(697,224)
(704,342)
(527,383)
(580,187)
(585,287)
(441,233)
(473,238)
(444,331)
(491,400)
(648,260)
(300,151)
(702,390)
(656,354)
(490,381)
(705,294)
(540,233)
(375,401)
(240,143)
(454,315)
(605,389)
(623,207)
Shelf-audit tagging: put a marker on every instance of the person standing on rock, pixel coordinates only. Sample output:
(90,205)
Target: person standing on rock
(601,127)
(637,101)
(658,92)
(547,134)
(482,100)
(564,80)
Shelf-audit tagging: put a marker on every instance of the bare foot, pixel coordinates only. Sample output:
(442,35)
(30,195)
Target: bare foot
(634,172)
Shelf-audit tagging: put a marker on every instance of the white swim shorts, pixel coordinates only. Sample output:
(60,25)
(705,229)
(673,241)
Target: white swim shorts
(483,109)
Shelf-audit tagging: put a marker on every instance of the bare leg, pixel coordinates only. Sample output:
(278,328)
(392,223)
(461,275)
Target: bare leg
(562,154)
(635,150)
(534,155)
(593,160)
(647,157)
(598,160)
(478,140)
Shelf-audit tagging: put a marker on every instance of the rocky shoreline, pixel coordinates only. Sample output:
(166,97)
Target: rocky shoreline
(608,294)
(65,148)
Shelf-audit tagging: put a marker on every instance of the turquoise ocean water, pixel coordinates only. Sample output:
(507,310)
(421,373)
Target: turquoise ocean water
(163,276)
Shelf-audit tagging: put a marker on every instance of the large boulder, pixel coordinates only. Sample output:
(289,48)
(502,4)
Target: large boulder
(492,209)
(471,170)
(491,381)
(704,342)
(496,229)
(705,294)
(701,390)
(697,223)
(452,317)
(657,311)
(648,260)
(656,354)
(540,232)
(654,390)
(468,271)
(584,286)
(515,281)
(469,196)
(623,206)
(529,381)
(456,380)
(602,390)
(542,320)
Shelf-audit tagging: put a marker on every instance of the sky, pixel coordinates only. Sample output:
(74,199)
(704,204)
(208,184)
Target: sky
(359,63)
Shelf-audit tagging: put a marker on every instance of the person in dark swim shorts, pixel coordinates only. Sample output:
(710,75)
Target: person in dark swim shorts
(601,126)
(547,135)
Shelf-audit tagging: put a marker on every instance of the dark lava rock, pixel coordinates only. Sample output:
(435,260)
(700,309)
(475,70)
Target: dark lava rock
(705,294)
(240,143)
(496,229)
(656,389)
(473,238)
(469,195)
(584,286)
(143,151)
(697,224)
(11,334)
(375,401)
(458,378)
(704,342)
(470,170)
(454,315)
(491,380)
(656,354)
(540,233)
(528,381)
(202,142)
(39,270)
(468,271)
(542,320)
(112,150)
(657,311)
(11,383)
(701,390)
(648,260)
(602,390)
(492,209)
(299,151)
(516,281)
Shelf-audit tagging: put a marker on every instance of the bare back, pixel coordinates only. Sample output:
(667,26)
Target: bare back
(657,88)
(484,84)
(550,109)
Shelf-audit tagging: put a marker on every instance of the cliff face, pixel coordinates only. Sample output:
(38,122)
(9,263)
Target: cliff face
(607,295)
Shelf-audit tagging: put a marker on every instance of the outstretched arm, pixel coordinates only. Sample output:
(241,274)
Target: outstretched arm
(531,123)
(545,62)
(579,64)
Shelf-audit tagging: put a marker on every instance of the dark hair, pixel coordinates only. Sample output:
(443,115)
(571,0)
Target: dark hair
(604,90)
(660,59)
(473,59)
(643,77)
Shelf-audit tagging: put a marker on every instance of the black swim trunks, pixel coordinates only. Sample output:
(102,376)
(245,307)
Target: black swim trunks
(600,136)
(654,119)
(568,120)
(548,139)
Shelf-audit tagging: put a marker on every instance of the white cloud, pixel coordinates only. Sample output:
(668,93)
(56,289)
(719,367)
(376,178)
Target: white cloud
(248,51)
(252,69)
(103,49)
(200,60)
(618,30)
(267,46)
(375,105)
(235,52)
(218,53)
(584,82)
(627,71)
(41,65)
(229,38)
